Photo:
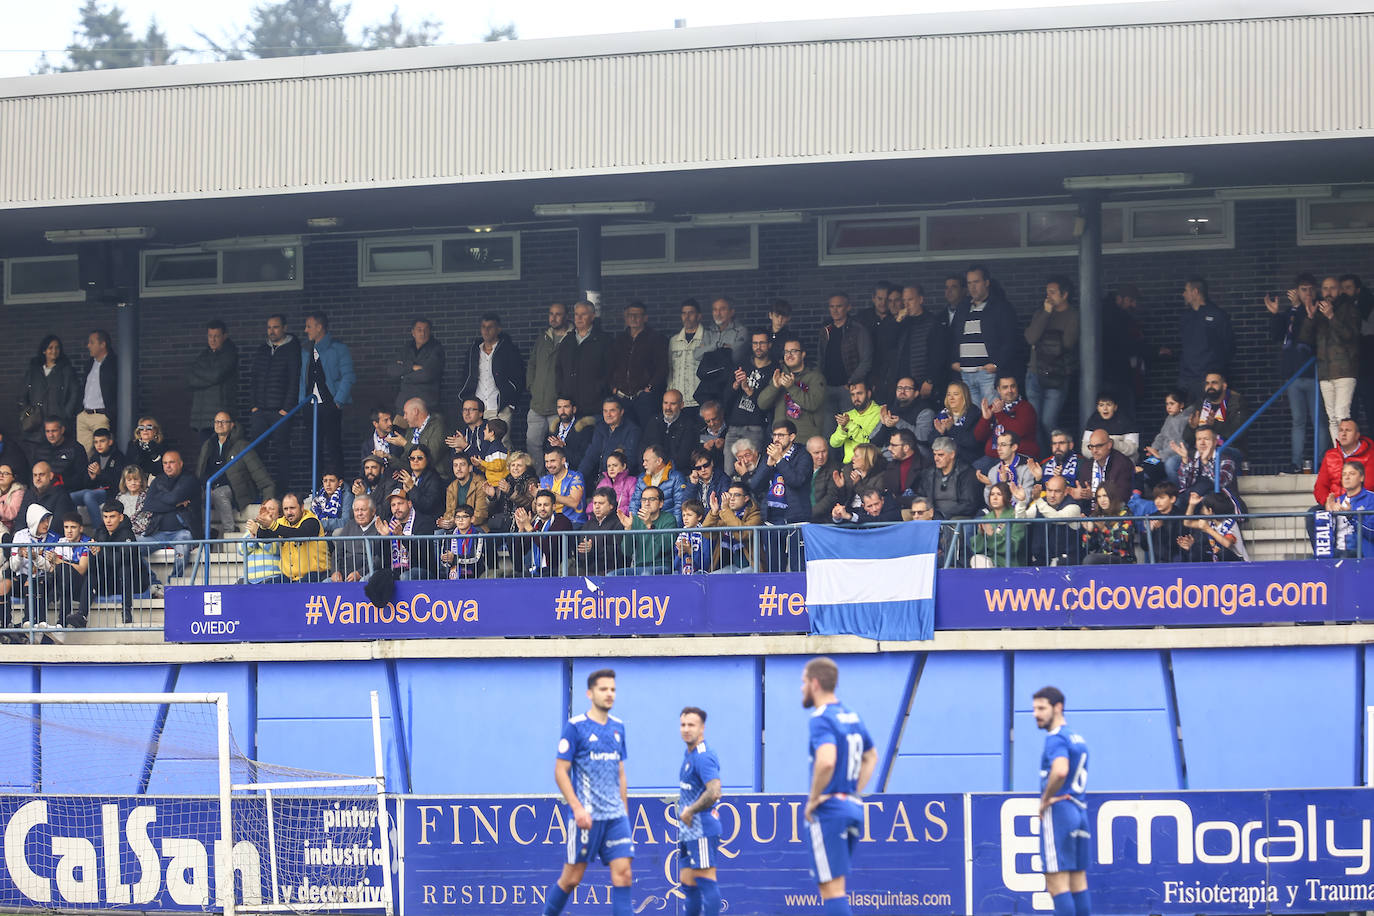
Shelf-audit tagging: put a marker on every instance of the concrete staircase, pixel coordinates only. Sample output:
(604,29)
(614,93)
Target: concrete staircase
(1277,538)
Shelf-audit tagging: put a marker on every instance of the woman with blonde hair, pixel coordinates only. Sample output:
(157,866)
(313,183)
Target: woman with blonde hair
(957,420)
(147,446)
(11,497)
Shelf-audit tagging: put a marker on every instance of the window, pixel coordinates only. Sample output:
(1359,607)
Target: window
(464,258)
(1339,221)
(662,248)
(36,280)
(243,268)
(1021,232)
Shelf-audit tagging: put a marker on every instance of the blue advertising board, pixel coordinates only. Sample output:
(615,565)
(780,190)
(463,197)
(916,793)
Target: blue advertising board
(159,852)
(573,606)
(1198,594)
(499,855)
(1289,851)
(1176,594)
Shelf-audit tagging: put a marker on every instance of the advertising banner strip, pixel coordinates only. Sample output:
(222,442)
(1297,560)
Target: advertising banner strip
(1221,853)
(496,856)
(1176,594)
(1280,851)
(573,606)
(1202,594)
(158,852)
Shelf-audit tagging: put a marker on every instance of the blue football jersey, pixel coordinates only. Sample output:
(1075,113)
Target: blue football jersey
(596,752)
(699,766)
(834,724)
(1063,743)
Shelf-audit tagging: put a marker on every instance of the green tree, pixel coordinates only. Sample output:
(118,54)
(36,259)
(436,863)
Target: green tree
(393,33)
(104,41)
(293,28)
(501,33)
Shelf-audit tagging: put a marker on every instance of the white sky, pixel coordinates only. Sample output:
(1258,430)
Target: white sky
(49,25)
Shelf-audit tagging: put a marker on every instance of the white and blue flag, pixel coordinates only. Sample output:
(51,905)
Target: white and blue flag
(872,582)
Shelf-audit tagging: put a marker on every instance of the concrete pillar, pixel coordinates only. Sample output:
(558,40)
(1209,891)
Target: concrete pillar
(589,259)
(1090,303)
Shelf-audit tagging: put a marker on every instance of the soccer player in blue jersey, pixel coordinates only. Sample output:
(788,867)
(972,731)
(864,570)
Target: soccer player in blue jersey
(1065,842)
(842,761)
(590,772)
(698,837)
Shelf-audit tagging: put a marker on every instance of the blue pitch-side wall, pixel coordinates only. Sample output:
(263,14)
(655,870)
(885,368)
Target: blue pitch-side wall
(959,722)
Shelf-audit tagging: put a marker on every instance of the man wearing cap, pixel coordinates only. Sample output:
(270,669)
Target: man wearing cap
(375,482)
(410,554)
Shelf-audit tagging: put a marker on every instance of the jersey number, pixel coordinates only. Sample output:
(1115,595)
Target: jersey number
(855,743)
(1080,776)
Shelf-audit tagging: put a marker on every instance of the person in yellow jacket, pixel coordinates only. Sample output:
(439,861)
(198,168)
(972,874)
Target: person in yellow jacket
(854,427)
(304,551)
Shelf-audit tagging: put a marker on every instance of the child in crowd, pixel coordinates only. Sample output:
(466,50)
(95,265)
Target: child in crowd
(1120,426)
(31,566)
(1218,540)
(328,502)
(693,553)
(493,461)
(464,553)
(1161,459)
(71,561)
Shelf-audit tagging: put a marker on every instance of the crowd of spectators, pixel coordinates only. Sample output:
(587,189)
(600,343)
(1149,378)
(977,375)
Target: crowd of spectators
(892,410)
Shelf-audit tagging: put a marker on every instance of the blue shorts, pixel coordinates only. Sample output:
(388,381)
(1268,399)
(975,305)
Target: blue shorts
(832,833)
(606,840)
(700,853)
(1065,842)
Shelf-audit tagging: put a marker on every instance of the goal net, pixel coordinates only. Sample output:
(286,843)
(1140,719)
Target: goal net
(144,802)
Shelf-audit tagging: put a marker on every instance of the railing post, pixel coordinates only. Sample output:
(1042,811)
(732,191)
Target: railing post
(1316,421)
(315,444)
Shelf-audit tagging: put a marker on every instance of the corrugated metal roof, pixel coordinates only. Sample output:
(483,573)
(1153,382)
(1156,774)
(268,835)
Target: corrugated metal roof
(668,101)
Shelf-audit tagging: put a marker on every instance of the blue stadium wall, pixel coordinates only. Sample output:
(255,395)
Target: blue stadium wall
(943,721)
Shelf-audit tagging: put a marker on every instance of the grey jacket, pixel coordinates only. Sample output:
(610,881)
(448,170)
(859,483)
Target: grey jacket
(541,372)
(1336,340)
(214,382)
(1174,430)
(248,479)
(420,383)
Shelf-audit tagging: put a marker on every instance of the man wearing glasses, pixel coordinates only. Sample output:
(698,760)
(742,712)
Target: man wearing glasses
(783,477)
(908,411)
(468,439)
(648,554)
(796,393)
(746,418)
(1109,468)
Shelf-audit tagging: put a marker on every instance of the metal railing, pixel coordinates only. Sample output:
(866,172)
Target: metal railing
(1316,418)
(314,454)
(120,586)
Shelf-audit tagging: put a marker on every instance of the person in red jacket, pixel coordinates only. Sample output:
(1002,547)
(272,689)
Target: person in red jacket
(1009,413)
(1350,445)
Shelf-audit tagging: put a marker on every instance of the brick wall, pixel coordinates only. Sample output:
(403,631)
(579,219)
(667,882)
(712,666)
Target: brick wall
(375,321)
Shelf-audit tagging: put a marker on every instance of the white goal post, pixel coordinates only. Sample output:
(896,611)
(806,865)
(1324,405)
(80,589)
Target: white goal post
(143,802)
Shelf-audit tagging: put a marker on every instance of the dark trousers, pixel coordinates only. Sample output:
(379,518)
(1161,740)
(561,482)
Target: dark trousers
(330,441)
(115,572)
(73,596)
